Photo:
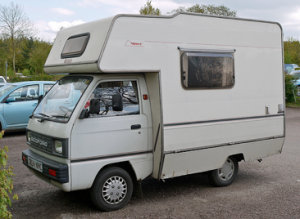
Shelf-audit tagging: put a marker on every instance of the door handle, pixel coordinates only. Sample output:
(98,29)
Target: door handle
(137,126)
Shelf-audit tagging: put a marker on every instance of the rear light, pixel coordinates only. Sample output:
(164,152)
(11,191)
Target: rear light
(24,158)
(52,172)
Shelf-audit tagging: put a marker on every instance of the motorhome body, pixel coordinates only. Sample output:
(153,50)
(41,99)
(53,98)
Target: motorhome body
(161,97)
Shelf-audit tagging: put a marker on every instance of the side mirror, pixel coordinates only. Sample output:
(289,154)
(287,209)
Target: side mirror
(84,114)
(117,102)
(10,99)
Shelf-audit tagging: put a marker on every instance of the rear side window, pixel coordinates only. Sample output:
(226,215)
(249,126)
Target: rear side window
(207,70)
(75,45)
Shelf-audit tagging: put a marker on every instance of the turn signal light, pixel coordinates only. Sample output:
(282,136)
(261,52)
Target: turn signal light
(52,172)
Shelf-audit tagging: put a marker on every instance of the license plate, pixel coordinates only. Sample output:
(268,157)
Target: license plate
(35,164)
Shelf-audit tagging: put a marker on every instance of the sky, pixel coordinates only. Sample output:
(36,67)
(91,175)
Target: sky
(49,16)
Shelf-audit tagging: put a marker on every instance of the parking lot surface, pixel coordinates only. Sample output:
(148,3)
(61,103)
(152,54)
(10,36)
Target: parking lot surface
(270,189)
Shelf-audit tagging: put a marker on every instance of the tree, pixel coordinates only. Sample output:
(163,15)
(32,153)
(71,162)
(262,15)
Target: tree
(148,9)
(4,52)
(15,25)
(38,56)
(292,51)
(26,50)
(220,10)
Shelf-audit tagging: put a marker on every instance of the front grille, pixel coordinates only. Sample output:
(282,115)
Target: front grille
(41,142)
(46,143)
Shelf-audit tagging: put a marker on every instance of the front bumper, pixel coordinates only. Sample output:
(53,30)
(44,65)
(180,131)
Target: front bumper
(61,170)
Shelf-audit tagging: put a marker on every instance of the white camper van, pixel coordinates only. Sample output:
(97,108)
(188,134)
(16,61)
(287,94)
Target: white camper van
(157,97)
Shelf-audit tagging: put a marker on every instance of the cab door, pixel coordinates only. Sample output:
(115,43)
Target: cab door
(116,125)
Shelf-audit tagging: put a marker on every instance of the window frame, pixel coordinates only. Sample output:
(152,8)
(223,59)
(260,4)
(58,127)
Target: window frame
(77,54)
(212,52)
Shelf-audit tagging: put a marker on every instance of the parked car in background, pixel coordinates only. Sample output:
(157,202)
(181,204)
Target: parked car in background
(2,80)
(20,75)
(291,69)
(3,84)
(297,83)
(17,102)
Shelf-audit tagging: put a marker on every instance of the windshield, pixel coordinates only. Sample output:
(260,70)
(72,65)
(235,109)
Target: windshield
(5,89)
(61,100)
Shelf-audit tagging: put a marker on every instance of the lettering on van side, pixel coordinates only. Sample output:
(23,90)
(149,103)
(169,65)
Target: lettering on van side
(39,141)
(67,61)
(134,43)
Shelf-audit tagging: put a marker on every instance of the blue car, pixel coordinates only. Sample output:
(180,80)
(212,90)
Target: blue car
(17,102)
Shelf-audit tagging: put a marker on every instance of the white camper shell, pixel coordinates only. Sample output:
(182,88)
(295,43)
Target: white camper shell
(162,96)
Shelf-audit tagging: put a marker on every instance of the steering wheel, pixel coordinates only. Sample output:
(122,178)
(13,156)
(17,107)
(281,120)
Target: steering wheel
(64,109)
(104,112)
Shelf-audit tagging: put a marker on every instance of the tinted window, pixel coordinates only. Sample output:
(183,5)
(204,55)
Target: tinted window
(207,70)
(75,46)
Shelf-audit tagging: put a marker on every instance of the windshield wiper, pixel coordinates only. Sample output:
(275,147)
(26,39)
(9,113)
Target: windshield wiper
(42,119)
(45,115)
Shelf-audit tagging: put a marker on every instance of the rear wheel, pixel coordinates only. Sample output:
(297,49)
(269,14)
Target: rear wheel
(112,189)
(226,174)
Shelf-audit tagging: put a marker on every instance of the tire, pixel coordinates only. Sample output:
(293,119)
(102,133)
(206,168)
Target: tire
(226,175)
(112,189)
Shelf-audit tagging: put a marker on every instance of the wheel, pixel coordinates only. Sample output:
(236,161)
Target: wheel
(226,174)
(112,189)
(64,109)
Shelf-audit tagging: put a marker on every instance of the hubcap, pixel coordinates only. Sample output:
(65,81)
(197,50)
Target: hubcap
(226,172)
(114,190)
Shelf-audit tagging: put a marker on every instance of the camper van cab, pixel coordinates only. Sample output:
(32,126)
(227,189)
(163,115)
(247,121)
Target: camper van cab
(159,97)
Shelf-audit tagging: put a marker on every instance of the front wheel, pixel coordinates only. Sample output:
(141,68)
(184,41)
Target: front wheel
(226,174)
(112,189)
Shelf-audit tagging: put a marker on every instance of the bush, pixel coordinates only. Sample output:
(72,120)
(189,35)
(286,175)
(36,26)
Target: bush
(290,88)
(26,72)
(6,183)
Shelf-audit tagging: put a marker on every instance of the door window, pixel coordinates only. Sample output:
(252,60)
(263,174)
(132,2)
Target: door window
(26,93)
(114,98)
(47,88)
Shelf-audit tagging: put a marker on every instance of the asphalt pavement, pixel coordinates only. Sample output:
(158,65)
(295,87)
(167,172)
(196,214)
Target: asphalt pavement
(270,189)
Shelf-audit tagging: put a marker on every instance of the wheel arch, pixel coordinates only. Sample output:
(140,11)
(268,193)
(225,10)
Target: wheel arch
(239,157)
(123,165)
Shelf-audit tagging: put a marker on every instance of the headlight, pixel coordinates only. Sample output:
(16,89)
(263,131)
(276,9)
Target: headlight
(28,136)
(58,146)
